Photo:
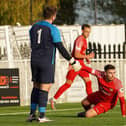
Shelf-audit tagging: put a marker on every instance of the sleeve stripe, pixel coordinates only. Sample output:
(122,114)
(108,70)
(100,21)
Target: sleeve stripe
(77,48)
(93,71)
(121,90)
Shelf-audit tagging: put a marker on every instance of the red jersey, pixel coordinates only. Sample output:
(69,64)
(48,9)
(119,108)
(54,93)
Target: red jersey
(109,91)
(80,45)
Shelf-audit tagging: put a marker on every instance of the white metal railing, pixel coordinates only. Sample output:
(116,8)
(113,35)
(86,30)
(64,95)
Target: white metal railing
(77,91)
(20,35)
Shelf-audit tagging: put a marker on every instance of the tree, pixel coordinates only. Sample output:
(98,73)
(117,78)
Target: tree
(13,11)
(108,11)
(117,7)
(66,13)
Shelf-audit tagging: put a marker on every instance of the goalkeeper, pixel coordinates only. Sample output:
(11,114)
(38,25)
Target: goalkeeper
(45,38)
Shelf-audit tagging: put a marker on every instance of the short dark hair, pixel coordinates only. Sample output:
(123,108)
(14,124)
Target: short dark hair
(85,25)
(49,11)
(109,66)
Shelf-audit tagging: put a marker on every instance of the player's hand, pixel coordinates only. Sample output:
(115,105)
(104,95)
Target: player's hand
(91,55)
(75,64)
(88,60)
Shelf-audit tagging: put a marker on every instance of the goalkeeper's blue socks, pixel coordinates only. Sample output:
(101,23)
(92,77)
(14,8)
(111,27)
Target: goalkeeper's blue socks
(34,100)
(43,98)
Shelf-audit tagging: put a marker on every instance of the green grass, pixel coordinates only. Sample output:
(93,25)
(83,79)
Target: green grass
(65,115)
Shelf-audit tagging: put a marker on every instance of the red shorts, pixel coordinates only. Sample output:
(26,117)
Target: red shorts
(100,105)
(72,74)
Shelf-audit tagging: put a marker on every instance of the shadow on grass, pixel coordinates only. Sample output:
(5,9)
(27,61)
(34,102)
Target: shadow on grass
(66,116)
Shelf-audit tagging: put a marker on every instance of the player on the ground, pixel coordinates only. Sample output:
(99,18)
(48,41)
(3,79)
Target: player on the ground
(45,38)
(110,89)
(79,53)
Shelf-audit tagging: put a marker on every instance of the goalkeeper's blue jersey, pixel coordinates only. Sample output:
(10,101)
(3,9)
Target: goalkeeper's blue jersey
(43,37)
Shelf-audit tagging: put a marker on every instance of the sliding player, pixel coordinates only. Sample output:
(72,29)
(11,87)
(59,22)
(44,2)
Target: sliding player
(110,89)
(79,53)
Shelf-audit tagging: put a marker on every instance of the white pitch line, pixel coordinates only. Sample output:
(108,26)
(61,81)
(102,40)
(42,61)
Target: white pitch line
(58,110)
(20,113)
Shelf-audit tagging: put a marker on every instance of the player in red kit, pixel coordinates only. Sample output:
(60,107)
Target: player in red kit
(79,53)
(110,89)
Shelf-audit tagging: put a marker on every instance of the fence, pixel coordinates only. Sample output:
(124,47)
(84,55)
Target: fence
(20,48)
(114,51)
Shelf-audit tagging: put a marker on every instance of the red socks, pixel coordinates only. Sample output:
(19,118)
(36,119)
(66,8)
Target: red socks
(61,90)
(88,87)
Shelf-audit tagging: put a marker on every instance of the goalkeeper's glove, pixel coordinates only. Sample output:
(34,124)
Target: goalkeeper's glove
(75,64)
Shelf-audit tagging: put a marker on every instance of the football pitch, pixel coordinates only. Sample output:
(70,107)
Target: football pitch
(64,115)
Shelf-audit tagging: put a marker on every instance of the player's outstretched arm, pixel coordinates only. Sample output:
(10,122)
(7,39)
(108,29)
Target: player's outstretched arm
(122,102)
(63,51)
(123,107)
(91,71)
(75,64)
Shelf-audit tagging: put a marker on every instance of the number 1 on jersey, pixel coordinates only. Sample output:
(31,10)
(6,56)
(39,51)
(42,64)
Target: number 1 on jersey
(39,35)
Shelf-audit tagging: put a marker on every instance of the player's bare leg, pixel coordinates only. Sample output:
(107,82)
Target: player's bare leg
(60,91)
(34,102)
(90,113)
(45,87)
(88,84)
(86,105)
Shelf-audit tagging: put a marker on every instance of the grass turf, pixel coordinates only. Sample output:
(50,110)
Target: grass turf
(64,115)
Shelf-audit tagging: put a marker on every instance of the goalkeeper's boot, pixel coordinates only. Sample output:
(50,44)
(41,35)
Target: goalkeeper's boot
(31,118)
(81,114)
(44,119)
(52,103)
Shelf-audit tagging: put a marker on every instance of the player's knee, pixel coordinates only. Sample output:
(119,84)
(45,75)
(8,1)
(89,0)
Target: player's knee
(85,102)
(82,102)
(69,82)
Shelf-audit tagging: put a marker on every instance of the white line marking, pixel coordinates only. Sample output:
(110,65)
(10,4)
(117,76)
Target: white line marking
(20,113)
(58,110)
